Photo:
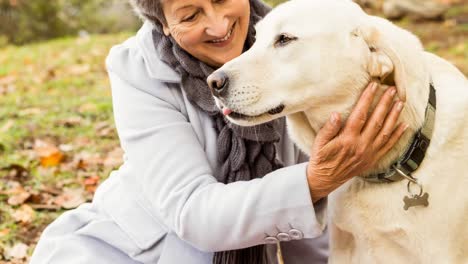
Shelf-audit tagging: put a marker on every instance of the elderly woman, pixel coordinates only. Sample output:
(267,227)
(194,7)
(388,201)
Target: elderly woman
(194,188)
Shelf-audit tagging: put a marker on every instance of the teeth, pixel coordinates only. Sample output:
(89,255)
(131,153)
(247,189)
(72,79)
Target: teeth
(225,38)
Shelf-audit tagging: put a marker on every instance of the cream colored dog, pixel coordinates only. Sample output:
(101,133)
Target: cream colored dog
(315,57)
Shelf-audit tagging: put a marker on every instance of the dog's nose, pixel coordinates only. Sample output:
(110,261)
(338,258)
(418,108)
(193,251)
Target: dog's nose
(218,83)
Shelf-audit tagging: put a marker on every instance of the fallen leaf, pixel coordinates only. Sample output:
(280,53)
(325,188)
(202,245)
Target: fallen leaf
(17,196)
(30,111)
(48,153)
(7,80)
(85,160)
(70,198)
(79,69)
(88,107)
(51,190)
(70,122)
(91,183)
(15,172)
(114,158)
(104,129)
(25,214)
(18,251)
(66,147)
(51,207)
(9,124)
(81,141)
(93,180)
(4,232)
(7,89)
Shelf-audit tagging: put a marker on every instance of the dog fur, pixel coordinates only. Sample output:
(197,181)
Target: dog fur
(339,49)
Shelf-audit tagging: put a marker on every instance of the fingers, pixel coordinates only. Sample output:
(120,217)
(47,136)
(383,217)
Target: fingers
(376,121)
(389,125)
(395,136)
(358,116)
(329,130)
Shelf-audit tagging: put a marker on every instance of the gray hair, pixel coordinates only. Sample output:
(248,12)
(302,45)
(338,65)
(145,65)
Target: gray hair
(151,10)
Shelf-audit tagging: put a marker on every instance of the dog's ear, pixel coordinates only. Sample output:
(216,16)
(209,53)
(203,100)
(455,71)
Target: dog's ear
(384,62)
(396,54)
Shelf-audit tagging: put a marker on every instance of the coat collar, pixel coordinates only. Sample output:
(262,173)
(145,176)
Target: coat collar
(157,69)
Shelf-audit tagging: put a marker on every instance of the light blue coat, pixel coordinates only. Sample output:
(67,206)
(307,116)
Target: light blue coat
(164,205)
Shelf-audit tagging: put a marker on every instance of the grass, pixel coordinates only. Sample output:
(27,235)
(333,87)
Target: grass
(43,88)
(58,92)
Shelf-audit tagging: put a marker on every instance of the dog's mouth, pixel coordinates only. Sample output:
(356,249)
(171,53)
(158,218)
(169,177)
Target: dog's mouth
(238,116)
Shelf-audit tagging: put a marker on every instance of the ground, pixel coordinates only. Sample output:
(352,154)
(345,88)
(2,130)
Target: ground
(57,137)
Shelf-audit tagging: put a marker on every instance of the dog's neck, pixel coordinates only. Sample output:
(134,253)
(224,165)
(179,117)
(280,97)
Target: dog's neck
(413,114)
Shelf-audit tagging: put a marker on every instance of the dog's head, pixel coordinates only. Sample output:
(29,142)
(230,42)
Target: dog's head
(315,55)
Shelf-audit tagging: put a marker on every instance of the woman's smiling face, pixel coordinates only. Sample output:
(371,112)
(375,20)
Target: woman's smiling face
(213,31)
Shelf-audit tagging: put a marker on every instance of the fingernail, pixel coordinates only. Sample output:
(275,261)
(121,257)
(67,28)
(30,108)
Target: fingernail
(400,106)
(393,91)
(333,118)
(406,127)
(374,86)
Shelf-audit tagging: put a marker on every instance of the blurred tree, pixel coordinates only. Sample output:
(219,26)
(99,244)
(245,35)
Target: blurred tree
(23,21)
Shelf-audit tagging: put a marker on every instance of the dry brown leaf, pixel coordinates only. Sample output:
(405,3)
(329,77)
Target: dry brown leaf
(114,158)
(84,160)
(66,147)
(18,251)
(91,183)
(70,122)
(93,180)
(9,124)
(79,69)
(104,129)
(7,89)
(88,107)
(15,172)
(17,196)
(25,214)
(70,198)
(48,153)
(7,80)
(4,232)
(81,141)
(30,111)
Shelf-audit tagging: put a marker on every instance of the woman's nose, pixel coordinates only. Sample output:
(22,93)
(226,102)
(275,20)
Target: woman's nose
(217,26)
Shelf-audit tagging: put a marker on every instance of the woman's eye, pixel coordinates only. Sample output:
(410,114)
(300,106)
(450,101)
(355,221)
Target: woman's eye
(190,18)
(284,39)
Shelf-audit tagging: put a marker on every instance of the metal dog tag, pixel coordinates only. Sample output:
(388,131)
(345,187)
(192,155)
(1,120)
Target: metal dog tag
(416,200)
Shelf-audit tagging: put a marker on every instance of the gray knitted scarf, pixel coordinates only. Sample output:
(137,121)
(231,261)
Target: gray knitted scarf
(245,152)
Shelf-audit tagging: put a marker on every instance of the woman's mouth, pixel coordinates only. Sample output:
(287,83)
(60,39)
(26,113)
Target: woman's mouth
(225,40)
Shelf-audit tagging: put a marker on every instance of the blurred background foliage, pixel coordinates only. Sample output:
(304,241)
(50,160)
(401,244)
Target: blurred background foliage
(24,21)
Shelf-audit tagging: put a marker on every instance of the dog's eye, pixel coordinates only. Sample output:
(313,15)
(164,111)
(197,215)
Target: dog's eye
(283,40)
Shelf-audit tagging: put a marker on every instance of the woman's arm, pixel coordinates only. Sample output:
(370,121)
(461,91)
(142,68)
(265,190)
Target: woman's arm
(170,169)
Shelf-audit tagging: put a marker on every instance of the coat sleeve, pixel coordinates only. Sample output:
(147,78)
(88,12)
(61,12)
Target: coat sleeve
(171,170)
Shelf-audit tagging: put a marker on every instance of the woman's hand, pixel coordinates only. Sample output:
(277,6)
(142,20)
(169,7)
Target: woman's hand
(340,153)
